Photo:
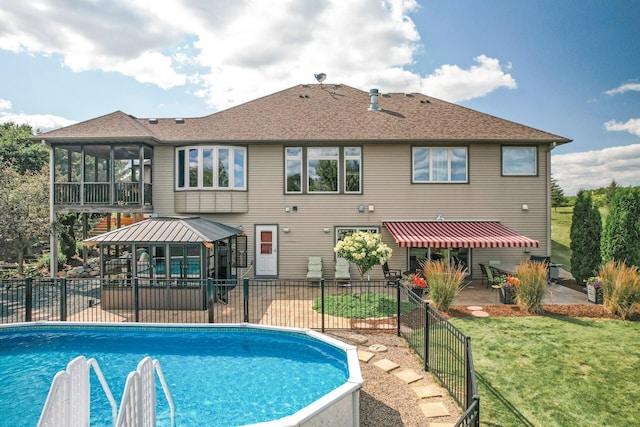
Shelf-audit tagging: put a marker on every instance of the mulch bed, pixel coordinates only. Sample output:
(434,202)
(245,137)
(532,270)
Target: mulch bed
(593,311)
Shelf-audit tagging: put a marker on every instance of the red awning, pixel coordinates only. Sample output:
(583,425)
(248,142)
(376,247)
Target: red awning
(457,234)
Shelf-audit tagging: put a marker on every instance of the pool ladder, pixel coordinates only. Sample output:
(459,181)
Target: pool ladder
(68,402)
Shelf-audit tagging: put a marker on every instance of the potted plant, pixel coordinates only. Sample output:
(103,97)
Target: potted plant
(508,290)
(594,290)
(416,284)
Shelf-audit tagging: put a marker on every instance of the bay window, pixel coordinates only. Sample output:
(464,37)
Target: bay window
(211,168)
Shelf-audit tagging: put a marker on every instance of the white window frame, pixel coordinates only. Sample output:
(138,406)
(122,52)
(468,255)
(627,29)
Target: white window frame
(430,179)
(520,149)
(199,164)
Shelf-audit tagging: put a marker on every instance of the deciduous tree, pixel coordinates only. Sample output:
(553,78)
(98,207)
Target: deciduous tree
(24,209)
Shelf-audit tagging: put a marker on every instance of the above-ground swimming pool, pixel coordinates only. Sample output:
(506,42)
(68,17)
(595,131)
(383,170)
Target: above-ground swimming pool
(218,375)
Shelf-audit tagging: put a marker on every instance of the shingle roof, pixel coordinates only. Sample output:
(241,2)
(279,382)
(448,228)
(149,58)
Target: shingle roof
(115,125)
(324,113)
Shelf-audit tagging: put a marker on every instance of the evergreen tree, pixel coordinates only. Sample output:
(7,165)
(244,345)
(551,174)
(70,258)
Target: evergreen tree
(610,191)
(621,236)
(586,229)
(557,195)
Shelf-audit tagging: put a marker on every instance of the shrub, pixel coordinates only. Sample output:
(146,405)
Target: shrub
(620,288)
(364,249)
(533,284)
(585,234)
(444,282)
(45,259)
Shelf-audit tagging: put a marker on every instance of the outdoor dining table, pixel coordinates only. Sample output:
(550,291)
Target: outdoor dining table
(506,268)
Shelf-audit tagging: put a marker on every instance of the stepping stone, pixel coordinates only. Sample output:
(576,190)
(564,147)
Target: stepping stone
(378,348)
(479,313)
(442,425)
(357,338)
(427,391)
(408,376)
(365,356)
(432,410)
(386,365)
(474,308)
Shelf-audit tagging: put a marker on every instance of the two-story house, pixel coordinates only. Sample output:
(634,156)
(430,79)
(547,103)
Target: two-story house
(298,169)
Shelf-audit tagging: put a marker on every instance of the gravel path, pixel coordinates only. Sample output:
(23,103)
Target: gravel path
(387,401)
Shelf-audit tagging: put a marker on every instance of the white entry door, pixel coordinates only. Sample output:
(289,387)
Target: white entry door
(266,250)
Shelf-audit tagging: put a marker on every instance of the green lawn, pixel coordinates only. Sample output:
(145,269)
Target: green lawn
(556,371)
(560,241)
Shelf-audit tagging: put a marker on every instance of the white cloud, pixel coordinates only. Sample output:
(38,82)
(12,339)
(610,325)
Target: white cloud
(231,51)
(632,126)
(624,88)
(5,105)
(455,84)
(595,169)
(43,122)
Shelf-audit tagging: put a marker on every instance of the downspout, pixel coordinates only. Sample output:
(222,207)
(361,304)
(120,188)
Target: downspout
(548,190)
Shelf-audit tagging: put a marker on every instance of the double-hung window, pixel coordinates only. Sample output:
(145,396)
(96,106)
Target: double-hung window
(519,161)
(211,168)
(439,164)
(316,170)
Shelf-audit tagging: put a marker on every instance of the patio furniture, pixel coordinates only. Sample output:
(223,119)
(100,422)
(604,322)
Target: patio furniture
(391,275)
(342,270)
(485,277)
(491,276)
(314,268)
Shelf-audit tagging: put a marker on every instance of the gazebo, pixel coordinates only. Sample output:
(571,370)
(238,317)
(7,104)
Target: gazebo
(166,248)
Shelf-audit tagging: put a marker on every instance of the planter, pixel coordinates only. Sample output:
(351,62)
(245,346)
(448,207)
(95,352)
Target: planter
(419,292)
(594,295)
(507,295)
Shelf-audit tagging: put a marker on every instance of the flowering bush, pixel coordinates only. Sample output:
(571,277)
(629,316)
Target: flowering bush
(364,249)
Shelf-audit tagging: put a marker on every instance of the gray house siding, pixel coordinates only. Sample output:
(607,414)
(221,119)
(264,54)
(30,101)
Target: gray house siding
(387,188)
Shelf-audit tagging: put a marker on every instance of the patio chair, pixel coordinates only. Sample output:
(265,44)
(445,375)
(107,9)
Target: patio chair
(342,270)
(391,275)
(485,277)
(314,268)
(492,278)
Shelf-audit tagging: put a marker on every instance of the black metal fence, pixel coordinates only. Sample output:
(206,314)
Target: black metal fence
(294,303)
(445,350)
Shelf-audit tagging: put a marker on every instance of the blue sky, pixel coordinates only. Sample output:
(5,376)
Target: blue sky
(563,66)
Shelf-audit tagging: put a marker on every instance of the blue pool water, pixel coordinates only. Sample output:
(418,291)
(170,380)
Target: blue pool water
(217,377)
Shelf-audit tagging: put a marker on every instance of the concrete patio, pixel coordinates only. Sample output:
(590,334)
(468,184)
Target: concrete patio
(477,293)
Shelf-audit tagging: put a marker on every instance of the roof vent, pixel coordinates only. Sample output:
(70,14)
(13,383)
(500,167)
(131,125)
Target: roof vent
(425,101)
(408,95)
(374,100)
(179,120)
(153,121)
